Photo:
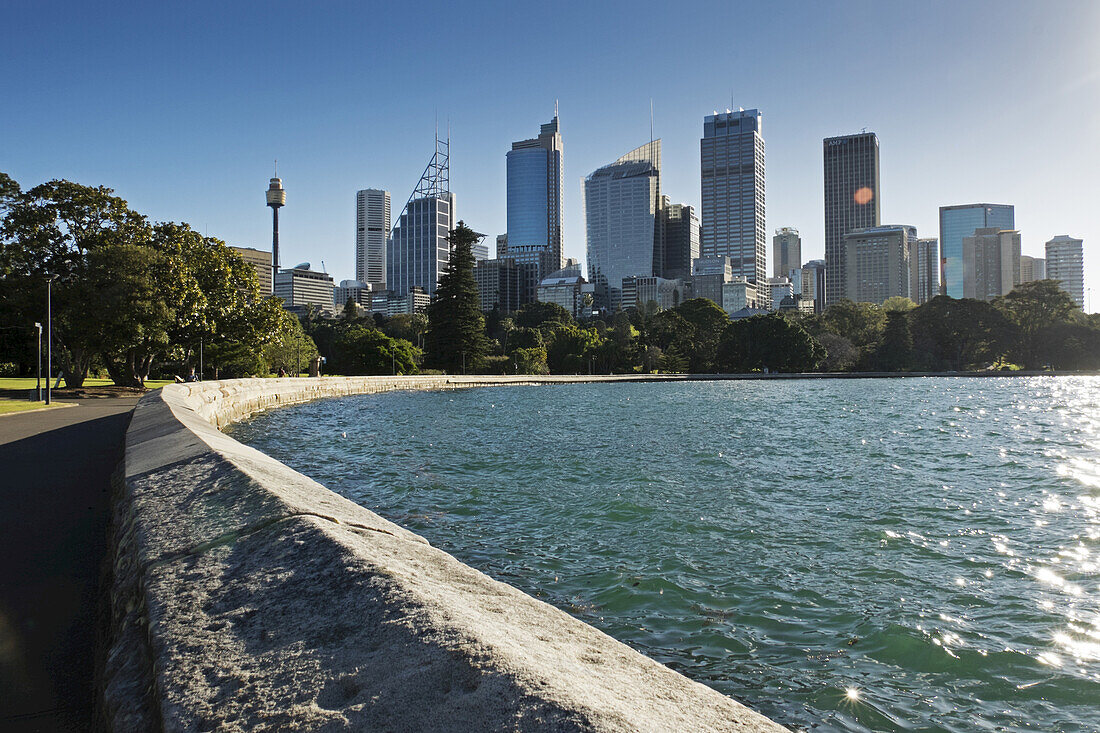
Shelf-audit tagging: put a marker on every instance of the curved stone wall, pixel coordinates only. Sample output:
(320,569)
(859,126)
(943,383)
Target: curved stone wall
(247,596)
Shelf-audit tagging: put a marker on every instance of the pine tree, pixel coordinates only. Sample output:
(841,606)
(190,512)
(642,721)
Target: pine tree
(455,341)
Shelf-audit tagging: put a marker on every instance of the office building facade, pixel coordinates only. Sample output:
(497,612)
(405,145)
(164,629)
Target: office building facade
(501,284)
(372,228)
(813,283)
(354,290)
(1066,264)
(732,185)
(535,194)
(419,250)
(621,210)
(991,263)
(852,200)
(926,270)
(302,287)
(680,233)
(876,262)
(261,263)
(961,221)
(786,251)
(1032,268)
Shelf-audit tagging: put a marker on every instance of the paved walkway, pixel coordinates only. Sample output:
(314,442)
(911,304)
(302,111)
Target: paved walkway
(55,469)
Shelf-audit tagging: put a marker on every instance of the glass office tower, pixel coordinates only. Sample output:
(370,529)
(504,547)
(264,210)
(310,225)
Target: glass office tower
(851,201)
(621,206)
(535,195)
(961,221)
(732,174)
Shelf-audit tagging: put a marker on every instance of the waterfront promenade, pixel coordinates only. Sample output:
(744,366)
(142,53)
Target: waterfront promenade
(55,494)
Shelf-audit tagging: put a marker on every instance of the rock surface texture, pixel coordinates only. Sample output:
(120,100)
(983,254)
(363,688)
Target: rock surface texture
(248,597)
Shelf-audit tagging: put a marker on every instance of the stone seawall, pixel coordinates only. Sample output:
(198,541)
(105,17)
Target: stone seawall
(247,596)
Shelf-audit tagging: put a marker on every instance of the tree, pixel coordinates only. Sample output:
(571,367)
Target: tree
(860,323)
(571,349)
(840,354)
(767,342)
(1034,308)
(351,309)
(49,232)
(895,350)
(671,361)
(533,315)
(456,326)
(363,350)
(708,322)
(290,349)
(529,361)
(898,304)
(957,335)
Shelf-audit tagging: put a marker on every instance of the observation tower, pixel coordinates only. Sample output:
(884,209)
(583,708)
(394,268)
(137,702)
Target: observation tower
(276,199)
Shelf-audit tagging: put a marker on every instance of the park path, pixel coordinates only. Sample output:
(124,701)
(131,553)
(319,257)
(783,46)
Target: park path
(55,495)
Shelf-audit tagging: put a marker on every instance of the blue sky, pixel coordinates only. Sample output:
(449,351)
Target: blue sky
(181,108)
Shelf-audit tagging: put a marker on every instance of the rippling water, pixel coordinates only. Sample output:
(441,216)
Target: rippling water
(841,555)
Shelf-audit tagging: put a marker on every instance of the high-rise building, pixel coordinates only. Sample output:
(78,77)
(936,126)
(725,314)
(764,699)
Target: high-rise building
(732,171)
(357,291)
(925,262)
(1066,264)
(786,251)
(568,289)
(961,221)
(418,249)
(480,250)
(261,263)
(372,227)
(708,275)
(1032,268)
(814,283)
(680,229)
(535,194)
(501,284)
(852,200)
(301,287)
(876,262)
(991,263)
(622,232)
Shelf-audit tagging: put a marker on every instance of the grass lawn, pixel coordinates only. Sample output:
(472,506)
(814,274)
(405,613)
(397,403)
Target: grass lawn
(9,406)
(23,384)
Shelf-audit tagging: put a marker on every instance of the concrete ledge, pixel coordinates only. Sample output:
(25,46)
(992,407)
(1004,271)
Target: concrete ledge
(247,596)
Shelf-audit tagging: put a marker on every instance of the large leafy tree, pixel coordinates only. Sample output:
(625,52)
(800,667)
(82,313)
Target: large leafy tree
(456,340)
(957,335)
(64,231)
(1035,308)
(708,321)
(363,350)
(767,343)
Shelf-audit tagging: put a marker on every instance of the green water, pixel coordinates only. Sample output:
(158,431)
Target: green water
(842,555)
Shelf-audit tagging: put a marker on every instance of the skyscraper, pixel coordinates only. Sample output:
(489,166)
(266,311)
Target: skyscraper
(372,227)
(852,200)
(418,249)
(786,252)
(680,230)
(1032,268)
(535,195)
(991,263)
(621,209)
(926,270)
(732,171)
(961,221)
(1066,264)
(876,262)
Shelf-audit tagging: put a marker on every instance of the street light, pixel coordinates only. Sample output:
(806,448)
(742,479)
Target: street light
(38,371)
(49,333)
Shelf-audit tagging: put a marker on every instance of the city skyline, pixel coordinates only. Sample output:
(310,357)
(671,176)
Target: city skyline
(215,123)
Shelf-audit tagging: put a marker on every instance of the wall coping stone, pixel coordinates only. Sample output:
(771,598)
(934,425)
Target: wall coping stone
(247,596)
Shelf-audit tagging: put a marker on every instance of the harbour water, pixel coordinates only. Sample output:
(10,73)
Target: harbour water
(840,555)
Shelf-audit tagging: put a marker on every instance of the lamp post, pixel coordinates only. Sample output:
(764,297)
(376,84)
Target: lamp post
(38,370)
(49,334)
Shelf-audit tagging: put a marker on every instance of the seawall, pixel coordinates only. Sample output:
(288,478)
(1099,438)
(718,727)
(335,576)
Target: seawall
(247,596)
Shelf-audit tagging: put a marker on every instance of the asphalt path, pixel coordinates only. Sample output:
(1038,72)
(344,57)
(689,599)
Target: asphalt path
(55,471)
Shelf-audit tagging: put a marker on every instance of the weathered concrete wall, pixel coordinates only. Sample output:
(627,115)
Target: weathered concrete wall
(248,597)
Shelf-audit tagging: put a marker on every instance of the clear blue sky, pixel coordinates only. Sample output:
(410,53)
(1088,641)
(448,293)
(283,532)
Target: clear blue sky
(182,107)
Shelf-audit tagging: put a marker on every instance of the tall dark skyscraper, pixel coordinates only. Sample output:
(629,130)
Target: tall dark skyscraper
(851,200)
(732,175)
(680,235)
